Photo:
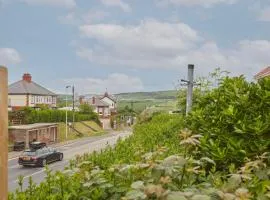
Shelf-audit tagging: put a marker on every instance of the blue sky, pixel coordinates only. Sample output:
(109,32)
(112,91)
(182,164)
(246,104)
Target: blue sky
(131,45)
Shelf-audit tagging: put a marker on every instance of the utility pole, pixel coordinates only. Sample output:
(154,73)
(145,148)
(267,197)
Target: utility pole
(190,84)
(73,104)
(3,133)
(67,112)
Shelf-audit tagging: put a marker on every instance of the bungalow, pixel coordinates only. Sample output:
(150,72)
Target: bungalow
(27,93)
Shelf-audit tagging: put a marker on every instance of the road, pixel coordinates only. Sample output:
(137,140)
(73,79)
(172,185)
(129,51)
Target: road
(87,145)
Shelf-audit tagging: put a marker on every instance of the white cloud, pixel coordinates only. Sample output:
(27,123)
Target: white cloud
(145,37)
(204,3)
(117,3)
(58,3)
(265,14)
(76,18)
(115,83)
(9,56)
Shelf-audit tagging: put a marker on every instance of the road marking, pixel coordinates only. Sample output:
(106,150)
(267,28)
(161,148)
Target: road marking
(108,140)
(66,145)
(38,172)
(14,166)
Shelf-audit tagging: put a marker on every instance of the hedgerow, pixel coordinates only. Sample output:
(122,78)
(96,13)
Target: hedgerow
(30,116)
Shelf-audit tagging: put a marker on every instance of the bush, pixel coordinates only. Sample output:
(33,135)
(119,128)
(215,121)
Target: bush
(234,120)
(30,116)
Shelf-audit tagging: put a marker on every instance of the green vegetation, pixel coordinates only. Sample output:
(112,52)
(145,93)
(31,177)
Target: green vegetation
(30,116)
(140,105)
(219,152)
(170,94)
(81,128)
(141,100)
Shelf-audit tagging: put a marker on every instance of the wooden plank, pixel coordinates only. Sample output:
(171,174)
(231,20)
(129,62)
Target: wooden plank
(3,133)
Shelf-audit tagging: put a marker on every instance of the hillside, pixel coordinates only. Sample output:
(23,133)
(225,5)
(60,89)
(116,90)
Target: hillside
(157,95)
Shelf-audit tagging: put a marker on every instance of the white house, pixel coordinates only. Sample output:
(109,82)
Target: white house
(104,105)
(27,93)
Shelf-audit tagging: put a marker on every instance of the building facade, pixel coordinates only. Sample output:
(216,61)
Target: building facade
(42,132)
(27,93)
(104,105)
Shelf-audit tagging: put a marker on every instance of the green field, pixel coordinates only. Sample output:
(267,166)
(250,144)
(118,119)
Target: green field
(158,95)
(142,100)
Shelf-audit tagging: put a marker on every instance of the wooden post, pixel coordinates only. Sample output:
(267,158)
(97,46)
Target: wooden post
(3,133)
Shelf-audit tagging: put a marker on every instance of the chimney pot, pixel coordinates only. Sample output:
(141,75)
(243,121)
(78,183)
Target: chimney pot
(27,77)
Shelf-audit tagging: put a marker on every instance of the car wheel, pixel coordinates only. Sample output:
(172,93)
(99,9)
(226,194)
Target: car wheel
(60,157)
(44,162)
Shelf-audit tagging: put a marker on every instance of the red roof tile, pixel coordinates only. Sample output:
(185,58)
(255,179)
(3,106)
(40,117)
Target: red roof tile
(264,73)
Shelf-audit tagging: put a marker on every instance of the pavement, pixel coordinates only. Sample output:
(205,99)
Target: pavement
(70,150)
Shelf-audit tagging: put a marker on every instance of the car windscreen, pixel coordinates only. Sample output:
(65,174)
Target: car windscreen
(29,153)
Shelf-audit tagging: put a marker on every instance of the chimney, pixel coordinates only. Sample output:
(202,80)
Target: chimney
(81,99)
(27,77)
(94,100)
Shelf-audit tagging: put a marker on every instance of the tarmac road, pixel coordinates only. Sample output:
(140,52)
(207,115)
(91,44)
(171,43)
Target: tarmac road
(86,145)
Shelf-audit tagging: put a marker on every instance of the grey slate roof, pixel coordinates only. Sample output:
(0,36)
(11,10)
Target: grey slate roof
(24,87)
(99,103)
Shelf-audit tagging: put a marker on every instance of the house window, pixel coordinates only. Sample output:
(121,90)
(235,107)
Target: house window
(33,99)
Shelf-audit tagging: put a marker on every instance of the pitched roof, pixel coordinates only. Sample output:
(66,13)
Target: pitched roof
(264,73)
(25,87)
(108,96)
(99,103)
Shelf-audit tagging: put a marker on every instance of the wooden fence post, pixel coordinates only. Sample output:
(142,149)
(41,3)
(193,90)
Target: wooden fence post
(3,133)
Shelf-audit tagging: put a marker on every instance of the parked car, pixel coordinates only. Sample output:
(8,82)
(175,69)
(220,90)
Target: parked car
(40,157)
(19,146)
(37,145)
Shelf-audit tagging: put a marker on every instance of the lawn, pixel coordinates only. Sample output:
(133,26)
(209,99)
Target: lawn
(80,127)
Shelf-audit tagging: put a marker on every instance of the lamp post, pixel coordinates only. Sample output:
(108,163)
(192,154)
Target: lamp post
(67,112)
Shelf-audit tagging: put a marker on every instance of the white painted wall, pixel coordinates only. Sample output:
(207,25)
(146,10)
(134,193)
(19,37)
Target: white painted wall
(17,100)
(20,100)
(47,100)
(110,102)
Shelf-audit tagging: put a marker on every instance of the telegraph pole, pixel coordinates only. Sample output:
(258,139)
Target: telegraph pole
(3,133)
(73,104)
(190,84)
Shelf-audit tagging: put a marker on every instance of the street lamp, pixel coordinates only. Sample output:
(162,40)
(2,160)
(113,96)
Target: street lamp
(67,112)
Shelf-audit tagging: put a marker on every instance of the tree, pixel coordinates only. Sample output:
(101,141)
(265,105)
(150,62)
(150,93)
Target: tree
(86,109)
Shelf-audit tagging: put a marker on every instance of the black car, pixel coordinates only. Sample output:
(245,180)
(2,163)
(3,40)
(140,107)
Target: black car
(40,157)
(19,146)
(37,145)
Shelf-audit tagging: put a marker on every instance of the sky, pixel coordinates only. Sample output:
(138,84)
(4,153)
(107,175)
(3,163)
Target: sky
(131,45)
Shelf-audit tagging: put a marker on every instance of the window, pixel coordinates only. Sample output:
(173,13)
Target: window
(33,99)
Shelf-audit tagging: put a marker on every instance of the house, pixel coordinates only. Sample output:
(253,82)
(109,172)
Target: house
(105,105)
(111,101)
(262,74)
(42,132)
(27,93)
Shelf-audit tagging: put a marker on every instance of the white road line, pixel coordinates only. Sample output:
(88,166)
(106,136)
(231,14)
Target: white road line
(58,147)
(38,172)
(14,166)
(95,143)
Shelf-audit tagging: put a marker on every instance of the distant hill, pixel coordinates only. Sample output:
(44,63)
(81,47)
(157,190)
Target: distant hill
(158,95)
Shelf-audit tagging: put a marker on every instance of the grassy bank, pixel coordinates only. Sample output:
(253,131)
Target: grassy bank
(87,132)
